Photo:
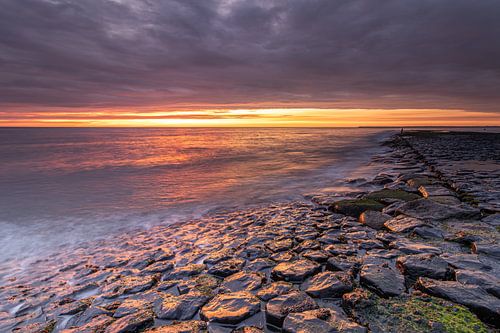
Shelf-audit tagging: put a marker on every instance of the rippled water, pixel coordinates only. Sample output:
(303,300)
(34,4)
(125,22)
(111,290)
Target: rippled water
(64,186)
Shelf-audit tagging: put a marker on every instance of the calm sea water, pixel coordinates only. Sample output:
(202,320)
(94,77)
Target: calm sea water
(66,186)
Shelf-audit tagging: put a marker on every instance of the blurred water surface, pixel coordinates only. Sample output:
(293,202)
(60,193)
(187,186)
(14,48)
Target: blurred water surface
(69,185)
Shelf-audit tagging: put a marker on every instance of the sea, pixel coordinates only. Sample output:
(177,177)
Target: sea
(60,187)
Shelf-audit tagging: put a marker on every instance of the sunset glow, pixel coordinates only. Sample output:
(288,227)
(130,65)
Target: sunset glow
(293,117)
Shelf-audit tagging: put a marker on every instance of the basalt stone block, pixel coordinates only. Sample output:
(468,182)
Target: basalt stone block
(374,219)
(488,282)
(295,271)
(132,323)
(425,209)
(402,223)
(490,249)
(274,289)
(386,194)
(328,284)
(230,308)
(428,265)
(227,267)
(485,305)
(385,281)
(180,307)
(242,281)
(279,307)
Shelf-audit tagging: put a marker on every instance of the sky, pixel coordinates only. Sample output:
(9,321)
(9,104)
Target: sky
(249,63)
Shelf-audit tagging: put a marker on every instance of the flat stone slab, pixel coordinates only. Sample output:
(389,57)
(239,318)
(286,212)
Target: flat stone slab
(425,209)
(428,265)
(242,281)
(320,320)
(273,290)
(132,323)
(328,284)
(488,282)
(485,305)
(230,308)
(402,223)
(227,267)
(180,307)
(374,219)
(434,190)
(410,247)
(279,307)
(295,271)
(385,281)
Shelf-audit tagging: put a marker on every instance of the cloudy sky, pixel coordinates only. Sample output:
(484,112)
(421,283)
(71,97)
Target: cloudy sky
(241,61)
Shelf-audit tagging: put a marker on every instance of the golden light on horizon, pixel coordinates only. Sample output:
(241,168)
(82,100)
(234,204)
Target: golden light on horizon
(265,117)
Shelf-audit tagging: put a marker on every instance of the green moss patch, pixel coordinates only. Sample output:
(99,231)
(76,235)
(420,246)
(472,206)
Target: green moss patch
(392,194)
(355,207)
(420,313)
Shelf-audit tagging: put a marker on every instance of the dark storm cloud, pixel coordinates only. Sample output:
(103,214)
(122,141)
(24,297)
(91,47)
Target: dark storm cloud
(121,53)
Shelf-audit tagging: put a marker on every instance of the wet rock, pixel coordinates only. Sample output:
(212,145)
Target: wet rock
(158,267)
(425,209)
(203,283)
(73,307)
(191,326)
(132,323)
(486,306)
(342,249)
(408,247)
(46,327)
(295,271)
(428,232)
(259,264)
(488,282)
(274,289)
(385,194)
(493,220)
(315,255)
(88,315)
(428,265)
(129,285)
(227,267)
(279,307)
(253,252)
(419,180)
(385,281)
(343,263)
(402,223)
(328,284)
(320,320)
(247,329)
(280,246)
(180,307)
(242,281)
(446,200)
(96,324)
(217,256)
(356,206)
(184,271)
(490,249)
(230,308)
(130,306)
(434,190)
(465,261)
(374,219)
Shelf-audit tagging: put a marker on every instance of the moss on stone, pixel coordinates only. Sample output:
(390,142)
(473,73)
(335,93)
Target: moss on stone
(421,314)
(392,194)
(355,207)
